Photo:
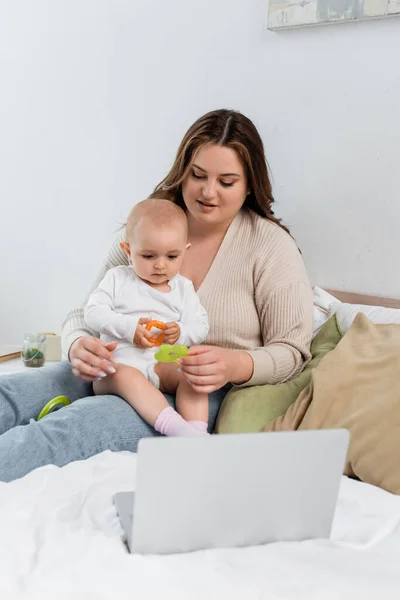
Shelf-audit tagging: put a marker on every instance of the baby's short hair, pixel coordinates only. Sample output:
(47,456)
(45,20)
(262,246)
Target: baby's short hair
(160,212)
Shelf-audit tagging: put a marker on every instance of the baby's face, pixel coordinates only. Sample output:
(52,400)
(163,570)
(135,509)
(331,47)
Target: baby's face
(157,253)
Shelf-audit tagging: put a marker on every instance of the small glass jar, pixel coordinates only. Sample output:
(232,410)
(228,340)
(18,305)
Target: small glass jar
(34,349)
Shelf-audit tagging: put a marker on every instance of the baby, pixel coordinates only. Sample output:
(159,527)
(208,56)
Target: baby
(151,289)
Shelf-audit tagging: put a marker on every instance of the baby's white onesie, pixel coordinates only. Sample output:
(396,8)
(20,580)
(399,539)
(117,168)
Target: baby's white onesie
(122,298)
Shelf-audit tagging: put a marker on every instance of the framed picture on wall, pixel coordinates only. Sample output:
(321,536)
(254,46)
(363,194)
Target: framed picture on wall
(285,14)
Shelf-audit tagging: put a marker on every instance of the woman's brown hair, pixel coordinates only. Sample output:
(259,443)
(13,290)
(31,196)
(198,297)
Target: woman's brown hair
(224,128)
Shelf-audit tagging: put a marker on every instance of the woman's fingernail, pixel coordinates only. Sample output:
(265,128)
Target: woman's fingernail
(102,374)
(111,370)
(179,361)
(179,371)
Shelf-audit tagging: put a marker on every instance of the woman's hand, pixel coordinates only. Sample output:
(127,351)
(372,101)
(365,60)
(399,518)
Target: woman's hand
(90,358)
(209,368)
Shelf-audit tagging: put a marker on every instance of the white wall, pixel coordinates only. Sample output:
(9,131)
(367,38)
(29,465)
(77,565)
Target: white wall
(96,94)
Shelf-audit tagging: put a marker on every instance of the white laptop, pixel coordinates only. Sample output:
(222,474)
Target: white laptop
(232,490)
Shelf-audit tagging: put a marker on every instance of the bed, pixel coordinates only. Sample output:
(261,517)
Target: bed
(60,537)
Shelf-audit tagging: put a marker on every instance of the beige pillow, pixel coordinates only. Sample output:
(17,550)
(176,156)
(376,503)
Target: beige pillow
(357,387)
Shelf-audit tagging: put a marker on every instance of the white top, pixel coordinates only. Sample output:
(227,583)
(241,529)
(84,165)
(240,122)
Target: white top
(122,298)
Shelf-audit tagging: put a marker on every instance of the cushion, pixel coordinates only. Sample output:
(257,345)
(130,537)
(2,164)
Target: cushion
(346,313)
(249,409)
(325,305)
(357,387)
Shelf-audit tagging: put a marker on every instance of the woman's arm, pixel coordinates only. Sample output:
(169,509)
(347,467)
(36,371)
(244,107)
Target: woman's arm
(286,319)
(74,325)
(284,301)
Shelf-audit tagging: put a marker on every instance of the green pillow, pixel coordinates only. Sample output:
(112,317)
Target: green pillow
(250,409)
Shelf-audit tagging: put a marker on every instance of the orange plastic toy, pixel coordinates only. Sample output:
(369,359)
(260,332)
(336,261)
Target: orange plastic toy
(157,341)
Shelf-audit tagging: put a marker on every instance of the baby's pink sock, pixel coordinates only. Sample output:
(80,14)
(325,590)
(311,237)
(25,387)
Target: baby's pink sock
(170,423)
(200,425)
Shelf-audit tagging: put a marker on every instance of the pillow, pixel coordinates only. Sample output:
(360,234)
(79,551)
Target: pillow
(325,306)
(248,409)
(357,387)
(346,313)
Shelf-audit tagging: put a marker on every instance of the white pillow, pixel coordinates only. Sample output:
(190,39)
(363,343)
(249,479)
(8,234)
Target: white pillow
(326,305)
(346,313)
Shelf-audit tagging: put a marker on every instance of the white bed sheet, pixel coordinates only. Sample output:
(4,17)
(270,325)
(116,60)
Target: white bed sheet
(60,538)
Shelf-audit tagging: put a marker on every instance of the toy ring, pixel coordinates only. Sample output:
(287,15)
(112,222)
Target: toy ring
(52,404)
(157,341)
(170,353)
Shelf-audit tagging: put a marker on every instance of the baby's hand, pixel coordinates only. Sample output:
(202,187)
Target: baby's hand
(141,337)
(171,333)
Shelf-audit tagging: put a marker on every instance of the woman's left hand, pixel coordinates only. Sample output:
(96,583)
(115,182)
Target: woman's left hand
(206,368)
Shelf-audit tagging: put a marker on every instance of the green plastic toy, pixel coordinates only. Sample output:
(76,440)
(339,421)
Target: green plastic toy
(170,353)
(52,404)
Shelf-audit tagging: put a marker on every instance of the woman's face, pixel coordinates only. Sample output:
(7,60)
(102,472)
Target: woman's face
(216,187)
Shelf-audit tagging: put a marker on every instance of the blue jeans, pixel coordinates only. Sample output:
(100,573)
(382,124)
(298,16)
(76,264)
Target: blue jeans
(91,424)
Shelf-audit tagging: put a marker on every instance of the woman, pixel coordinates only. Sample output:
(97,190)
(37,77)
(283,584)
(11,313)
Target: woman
(250,278)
